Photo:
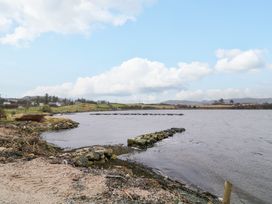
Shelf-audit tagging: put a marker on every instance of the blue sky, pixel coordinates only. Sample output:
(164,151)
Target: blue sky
(56,56)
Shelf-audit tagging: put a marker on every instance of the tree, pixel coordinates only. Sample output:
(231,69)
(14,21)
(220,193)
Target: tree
(46,98)
(231,101)
(221,101)
(55,99)
(2,100)
(38,100)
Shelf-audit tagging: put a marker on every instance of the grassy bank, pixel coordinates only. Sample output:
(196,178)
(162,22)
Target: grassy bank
(83,107)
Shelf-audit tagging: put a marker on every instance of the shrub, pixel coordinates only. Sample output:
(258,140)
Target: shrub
(46,109)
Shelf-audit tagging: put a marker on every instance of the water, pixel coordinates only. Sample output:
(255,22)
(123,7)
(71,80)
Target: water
(217,145)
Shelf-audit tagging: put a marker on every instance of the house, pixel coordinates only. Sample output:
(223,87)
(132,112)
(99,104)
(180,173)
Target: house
(10,104)
(54,104)
(7,103)
(102,102)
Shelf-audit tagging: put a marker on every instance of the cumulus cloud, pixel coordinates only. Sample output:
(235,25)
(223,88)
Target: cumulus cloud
(24,20)
(236,60)
(136,76)
(140,79)
(211,94)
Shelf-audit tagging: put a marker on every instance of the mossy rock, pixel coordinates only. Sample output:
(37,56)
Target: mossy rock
(82,161)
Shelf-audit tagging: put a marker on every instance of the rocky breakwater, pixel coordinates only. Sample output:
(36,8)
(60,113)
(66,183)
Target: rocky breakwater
(142,114)
(148,140)
(88,156)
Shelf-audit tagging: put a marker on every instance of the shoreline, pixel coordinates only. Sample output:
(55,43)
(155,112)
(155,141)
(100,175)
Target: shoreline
(120,174)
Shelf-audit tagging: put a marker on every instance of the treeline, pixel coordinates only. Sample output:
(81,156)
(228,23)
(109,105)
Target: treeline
(44,100)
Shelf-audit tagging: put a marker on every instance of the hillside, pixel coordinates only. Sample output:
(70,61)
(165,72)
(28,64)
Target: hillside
(235,100)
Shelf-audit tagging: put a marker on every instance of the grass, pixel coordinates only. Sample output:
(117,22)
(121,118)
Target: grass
(84,107)
(219,106)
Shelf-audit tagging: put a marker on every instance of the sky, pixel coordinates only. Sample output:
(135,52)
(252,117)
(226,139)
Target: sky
(136,50)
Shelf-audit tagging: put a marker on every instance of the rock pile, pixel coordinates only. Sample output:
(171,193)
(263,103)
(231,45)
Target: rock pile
(88,156)
(68,124)
(148,140)
(46,125)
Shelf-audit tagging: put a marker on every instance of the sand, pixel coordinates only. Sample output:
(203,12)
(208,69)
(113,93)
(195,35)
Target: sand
(38,181)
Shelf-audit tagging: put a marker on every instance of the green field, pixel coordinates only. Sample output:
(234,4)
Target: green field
(83,107)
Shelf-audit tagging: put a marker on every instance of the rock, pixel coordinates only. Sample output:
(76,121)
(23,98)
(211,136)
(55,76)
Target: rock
(130,142)
(108,153)
(65,155)
(90,156)
(97,156)
(2,149)
(113,157)
(178,130)
(3,159)
(101,161)
(82,161)
(30,156)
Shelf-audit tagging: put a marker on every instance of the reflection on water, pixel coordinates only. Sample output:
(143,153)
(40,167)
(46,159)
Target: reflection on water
(218,145)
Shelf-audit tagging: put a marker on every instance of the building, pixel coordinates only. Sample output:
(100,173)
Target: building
(54,104)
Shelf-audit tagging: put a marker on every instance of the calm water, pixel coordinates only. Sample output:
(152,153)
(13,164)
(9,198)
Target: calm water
(217,145)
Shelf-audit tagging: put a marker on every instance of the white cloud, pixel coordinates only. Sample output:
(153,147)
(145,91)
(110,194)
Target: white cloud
(236,60)
(136,77)
(143,80)
(24,20)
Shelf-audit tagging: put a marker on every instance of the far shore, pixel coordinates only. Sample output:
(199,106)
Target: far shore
(12,110)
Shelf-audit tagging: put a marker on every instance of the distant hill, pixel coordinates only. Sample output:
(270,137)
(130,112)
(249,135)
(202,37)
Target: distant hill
(183,102)
(235,100)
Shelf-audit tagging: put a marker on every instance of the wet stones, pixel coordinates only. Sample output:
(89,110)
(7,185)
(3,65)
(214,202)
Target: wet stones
(86,157)
(64,125)
(148,140)
(48,124)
